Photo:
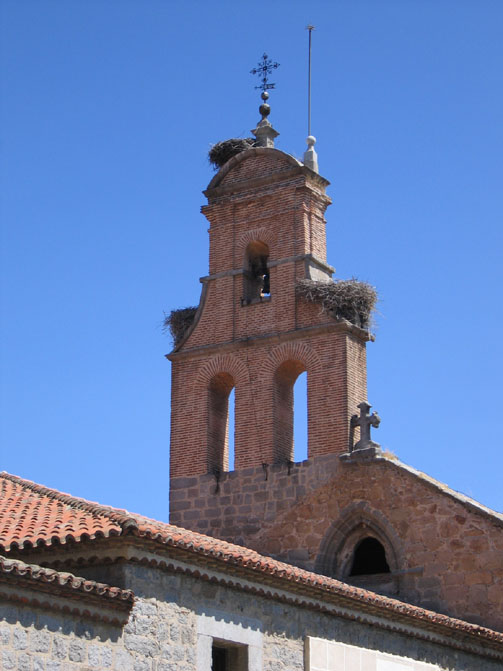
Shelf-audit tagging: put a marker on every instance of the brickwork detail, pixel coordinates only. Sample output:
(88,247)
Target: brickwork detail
(222,364)
(263,344)
(263,234)
(291,351)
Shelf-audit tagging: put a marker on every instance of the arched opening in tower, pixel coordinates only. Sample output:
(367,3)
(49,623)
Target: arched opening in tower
(219,400)
(369,558)
(283,399)
(300,418)
(256,278)
(231,423)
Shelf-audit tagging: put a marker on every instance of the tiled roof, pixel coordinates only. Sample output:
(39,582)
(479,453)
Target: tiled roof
(34,515)
(20,571)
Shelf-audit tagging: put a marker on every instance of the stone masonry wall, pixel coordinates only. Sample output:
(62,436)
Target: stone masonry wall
(449,555)
(38,639)
(243,504)
(162,633)
(168,629)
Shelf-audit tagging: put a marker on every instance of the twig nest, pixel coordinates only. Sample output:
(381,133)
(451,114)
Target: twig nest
(343,299)
(221,152)
(178,322)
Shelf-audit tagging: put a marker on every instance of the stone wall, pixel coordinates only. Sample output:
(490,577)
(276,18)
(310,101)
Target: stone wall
(446,550)
(241,504)
(171,621)
(39,639)
(445,553)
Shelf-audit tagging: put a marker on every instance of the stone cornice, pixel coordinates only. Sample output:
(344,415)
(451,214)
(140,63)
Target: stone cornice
(383,612)
(271,264)
(47,588)
(335,326)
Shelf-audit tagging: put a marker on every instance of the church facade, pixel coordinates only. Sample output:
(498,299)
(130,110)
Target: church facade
(431,546)
(347,561)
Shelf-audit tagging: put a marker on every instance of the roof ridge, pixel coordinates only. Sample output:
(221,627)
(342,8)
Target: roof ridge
(122,517)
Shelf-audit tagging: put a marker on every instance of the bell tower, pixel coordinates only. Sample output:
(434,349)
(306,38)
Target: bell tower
(254,333)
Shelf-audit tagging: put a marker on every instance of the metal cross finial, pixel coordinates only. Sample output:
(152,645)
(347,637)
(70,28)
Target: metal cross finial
(365,421)
(263,70)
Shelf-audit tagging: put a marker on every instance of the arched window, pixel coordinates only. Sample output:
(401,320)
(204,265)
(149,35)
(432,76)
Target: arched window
(218,422)
(256,280)
(369,558)
(283,400)
(361,547)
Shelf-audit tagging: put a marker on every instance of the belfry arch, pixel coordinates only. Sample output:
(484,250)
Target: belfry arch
(256,276)
(219,390)
(285,377)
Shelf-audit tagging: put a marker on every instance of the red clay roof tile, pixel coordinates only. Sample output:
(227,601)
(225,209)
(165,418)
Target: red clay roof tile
(14,568)
(33,515)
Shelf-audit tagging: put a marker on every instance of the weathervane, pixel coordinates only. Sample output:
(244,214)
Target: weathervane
(264,132)
(263,70)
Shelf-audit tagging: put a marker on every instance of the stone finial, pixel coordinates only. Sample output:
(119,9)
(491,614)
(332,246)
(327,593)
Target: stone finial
(310,156)
(365,421)
(264,132)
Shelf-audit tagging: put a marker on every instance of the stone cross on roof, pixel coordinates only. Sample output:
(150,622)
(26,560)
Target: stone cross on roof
(365,421)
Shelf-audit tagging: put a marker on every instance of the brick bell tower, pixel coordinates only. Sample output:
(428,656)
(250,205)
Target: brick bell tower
(254,334)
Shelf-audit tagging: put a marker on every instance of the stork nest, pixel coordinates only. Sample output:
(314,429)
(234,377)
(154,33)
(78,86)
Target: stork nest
(343,299)
(178,322)
(221,152)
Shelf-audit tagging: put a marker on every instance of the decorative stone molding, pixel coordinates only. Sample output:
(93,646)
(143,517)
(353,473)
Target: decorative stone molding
(355,523)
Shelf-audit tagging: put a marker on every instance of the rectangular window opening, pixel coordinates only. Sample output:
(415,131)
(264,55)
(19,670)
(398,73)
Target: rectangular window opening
(226,656)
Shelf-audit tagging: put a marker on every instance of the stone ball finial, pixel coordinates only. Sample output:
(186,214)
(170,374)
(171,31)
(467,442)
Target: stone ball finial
(264,110)
(310,155)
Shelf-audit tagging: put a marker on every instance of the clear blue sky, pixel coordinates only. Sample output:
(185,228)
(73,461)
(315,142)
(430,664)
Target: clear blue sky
(108,111)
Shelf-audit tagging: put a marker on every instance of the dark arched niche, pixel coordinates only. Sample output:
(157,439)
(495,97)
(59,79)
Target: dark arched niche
(362,548)
(256,279)
(369,558)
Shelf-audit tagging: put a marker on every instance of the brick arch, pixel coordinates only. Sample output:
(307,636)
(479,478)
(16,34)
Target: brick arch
(357,521)
(292,351)
(222,364)
(263,234)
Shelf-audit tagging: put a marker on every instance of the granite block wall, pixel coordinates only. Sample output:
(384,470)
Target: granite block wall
(171,614)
